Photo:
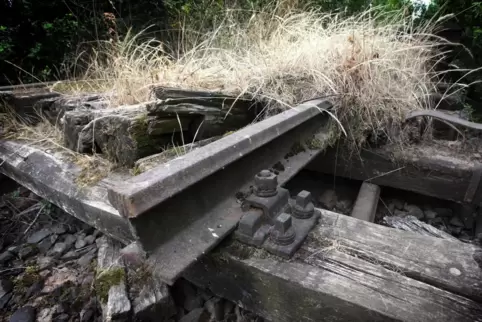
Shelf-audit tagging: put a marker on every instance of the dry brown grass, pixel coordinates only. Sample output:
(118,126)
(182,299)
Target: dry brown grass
(42,134)
(374,67)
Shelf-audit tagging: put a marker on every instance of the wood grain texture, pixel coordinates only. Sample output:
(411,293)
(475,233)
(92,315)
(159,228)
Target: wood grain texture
(125,134)
(350,270)
(446,264)
(411,223)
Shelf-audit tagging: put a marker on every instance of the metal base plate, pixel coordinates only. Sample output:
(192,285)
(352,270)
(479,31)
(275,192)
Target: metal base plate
(261,239)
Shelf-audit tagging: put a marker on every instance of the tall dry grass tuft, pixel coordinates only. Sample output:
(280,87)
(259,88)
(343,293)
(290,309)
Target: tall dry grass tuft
(375,67)
(37,131)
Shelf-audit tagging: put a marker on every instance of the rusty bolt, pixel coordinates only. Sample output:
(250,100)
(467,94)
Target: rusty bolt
(266,184)
(282,232)
(283,223)
(303,208)
(303,198)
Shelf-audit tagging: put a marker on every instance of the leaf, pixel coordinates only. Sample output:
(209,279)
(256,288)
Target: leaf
(47,25)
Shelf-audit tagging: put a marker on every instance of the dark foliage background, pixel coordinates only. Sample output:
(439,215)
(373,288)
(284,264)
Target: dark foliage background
(38,36)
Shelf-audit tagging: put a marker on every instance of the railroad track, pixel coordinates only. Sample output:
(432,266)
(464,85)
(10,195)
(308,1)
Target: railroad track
(184,212)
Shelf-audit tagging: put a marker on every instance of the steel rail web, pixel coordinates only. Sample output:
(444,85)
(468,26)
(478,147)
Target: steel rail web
(183,210)
(149,189)
(180,210)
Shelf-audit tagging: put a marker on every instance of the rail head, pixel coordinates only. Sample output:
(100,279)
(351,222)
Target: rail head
(147,190)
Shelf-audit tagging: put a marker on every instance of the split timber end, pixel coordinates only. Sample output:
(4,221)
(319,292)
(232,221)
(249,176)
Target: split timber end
(350,270)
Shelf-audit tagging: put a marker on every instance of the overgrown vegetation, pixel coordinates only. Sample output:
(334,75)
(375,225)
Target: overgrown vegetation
(376,64)
(39,132)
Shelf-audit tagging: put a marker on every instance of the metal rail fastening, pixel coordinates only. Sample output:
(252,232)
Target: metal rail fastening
(272,220)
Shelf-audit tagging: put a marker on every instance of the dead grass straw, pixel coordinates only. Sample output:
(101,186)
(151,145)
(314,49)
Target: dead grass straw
(375,67)
(40,133)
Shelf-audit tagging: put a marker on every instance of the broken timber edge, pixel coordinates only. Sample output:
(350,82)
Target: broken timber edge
(434,170)
(350,270)
(54,180)
(147,190)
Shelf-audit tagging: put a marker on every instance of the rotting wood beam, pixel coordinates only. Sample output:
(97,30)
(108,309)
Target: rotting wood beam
(23,100)
(350,270)
(438,169)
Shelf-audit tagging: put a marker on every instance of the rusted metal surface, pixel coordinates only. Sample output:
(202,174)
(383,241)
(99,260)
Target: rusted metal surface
(195,220)
(281,226)
(145,191)
(182,209)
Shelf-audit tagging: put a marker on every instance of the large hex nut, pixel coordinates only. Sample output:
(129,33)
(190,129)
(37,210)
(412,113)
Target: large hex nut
(266,184)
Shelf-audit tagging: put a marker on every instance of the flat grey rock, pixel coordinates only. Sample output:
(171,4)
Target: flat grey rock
(118,304)
(328,199)
(6,286)
(35,289)
(444,212)
(27,250)
(70,240)
(46,315)
(80,243)
(59,229)
(5,257)
(87,258)
(133,254)
(344,206)
(89,239)
(154,302)
(215,306)
(88,311)
(430,214)
(4,300)
(24,314)
(46,244)
(397,204)
(39,235)
(44,262)
(71,254)
(58,250)
(415,211)
(457,222)
(196,315)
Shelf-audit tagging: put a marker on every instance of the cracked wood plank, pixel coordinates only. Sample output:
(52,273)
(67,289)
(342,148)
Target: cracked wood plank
(350,270)
(444,263)
(125,134)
